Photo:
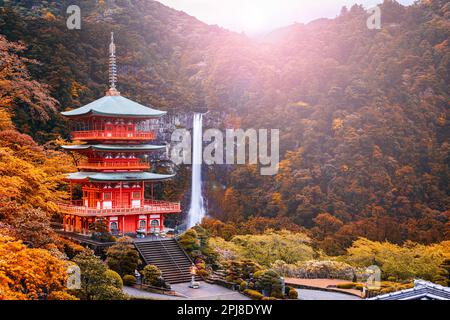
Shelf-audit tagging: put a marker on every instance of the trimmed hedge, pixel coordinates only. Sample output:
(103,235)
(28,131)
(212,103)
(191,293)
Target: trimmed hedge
(253,294)
(129,280)
(293,294)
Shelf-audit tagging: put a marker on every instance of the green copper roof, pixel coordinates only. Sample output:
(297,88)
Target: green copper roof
(114,147)
(115,106)
(118,176)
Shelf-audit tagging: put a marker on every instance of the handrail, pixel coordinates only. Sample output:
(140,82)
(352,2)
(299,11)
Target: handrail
(151,206)
(113,164)
(113,134)
(173,260)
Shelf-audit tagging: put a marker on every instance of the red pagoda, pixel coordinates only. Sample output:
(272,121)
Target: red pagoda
(116,134)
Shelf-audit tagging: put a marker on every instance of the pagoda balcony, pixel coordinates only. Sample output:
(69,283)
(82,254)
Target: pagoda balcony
(115,164)
(150,206)
(113,135)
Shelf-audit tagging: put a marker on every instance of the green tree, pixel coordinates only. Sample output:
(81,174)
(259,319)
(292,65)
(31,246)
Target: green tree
(123,257)
(151,274)
(96,282)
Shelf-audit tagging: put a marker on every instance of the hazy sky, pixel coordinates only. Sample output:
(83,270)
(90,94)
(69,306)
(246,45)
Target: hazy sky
(259,16)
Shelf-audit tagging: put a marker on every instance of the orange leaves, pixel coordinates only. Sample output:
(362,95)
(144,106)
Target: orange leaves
(28,273)
(16,86)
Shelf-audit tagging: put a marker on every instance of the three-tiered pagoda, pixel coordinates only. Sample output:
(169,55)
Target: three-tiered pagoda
(116,134)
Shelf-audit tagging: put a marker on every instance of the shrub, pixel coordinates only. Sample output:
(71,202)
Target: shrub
(293,294)
(258,274)
(316,269)
(270,281)
(347,285)
(151,274)
(243,285)
(202,273)
(115,278)
(392,279)
(189,241)
(61,295)
(123,257)
(276,294)
(253,294)
(129,280)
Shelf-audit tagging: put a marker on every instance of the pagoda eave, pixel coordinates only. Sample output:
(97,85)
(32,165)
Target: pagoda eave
(112,147)
(117,176)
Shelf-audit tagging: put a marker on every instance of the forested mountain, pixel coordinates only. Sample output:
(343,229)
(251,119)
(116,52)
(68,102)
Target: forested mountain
(363,114)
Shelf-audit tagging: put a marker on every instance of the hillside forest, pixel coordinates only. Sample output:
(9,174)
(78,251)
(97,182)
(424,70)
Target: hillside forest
(363,118)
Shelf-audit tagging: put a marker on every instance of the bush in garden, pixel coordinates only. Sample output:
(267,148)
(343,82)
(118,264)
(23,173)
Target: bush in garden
(243,285)
(253,294)
(129,280)
(202,273)
(258,274)
(115,278)
(293,294)
(324,269)
(270,281)
(151,274)
(189,241)
(347,285)
(123,257)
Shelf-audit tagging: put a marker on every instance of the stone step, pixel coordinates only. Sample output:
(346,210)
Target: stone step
(168,256)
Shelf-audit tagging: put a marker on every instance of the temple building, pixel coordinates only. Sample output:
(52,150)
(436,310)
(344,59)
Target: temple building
(115,133)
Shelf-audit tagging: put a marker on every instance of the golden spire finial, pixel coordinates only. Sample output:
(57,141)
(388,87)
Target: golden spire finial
(112,69)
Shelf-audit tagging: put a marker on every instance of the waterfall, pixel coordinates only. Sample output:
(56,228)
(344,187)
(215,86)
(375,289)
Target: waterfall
(197,209)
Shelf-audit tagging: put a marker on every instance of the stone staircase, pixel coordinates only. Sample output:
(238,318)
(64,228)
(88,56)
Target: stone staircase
(169,257)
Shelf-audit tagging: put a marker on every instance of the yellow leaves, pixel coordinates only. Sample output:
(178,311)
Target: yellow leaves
(5,117)
(403,262)
(32,181)
(28,273)
(344,168)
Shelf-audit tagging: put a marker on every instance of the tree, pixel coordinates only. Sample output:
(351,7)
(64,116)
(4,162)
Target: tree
(17,87)
(27,273)
(96,282)
(33,227)
(123,257)
(408,261)
(189,240)
(283,245)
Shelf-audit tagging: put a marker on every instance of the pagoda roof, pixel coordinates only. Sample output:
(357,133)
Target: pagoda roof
(422,290)
(118,176)
(114,105)
(114,147)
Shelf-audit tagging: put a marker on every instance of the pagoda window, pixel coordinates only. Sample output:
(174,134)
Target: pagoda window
(114,227)
(107,196)
(154,224)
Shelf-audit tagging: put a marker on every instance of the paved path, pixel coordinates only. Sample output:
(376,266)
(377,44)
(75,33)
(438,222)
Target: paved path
(205,292)
(323,284)
(306,294)
(142,294)
(208,292)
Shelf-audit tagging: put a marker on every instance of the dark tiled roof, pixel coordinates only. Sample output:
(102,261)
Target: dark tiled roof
(423,290)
